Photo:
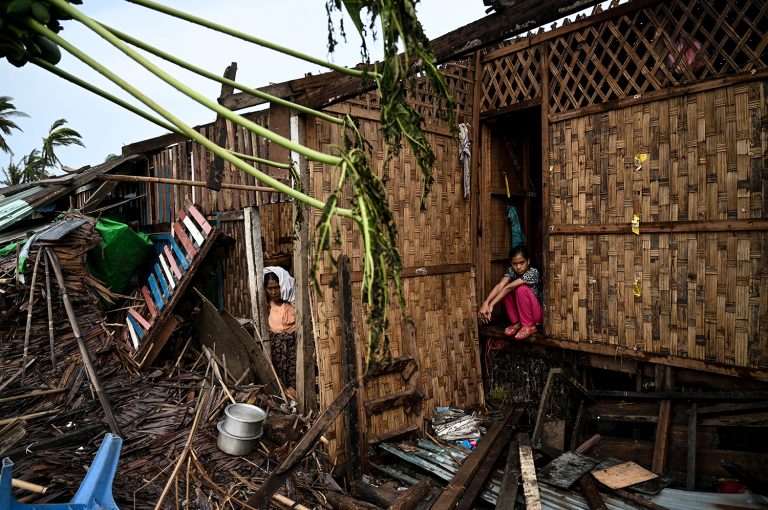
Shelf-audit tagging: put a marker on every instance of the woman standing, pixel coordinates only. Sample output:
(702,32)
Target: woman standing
(279,286)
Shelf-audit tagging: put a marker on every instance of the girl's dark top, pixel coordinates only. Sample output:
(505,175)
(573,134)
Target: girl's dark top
(531,279)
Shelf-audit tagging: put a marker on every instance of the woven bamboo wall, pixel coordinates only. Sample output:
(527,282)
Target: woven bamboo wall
(442,336)
(703,295)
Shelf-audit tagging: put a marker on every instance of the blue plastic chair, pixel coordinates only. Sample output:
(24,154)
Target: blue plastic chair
(95,493)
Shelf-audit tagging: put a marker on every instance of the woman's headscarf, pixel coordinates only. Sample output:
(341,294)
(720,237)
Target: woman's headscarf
(287,283)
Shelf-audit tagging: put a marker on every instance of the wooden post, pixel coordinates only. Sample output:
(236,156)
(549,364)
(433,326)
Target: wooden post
(546,174)
(661,445)
(216,174)
(255,260)
(690,470)
(305,340)
(354,443)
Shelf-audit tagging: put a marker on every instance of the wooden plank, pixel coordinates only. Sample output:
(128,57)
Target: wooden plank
(397,364)
(354,437)
(172,261)
(413,496)
(509,484)
(256,285)
(528,472)
(410,396)
(141,320)
(393,435)
(167,271)
(192,228)
(180,254)
(185,242)
(161,279)
(461,479)
(281,473)
(745,225)
(200,219)
(132,333)
(681,395)
(481,476)
(156,292)
(149,301)
(135,327)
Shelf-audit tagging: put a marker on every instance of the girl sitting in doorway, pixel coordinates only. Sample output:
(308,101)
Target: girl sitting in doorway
(520,289)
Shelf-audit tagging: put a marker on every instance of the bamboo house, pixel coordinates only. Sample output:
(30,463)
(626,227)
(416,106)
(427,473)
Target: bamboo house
(631,142)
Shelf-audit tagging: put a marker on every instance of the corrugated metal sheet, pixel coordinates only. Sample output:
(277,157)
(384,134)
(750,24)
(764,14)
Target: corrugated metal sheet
(60,230)
(18,201)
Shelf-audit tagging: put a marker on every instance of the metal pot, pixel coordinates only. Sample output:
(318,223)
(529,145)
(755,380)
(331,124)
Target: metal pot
(232,445)
(244,420)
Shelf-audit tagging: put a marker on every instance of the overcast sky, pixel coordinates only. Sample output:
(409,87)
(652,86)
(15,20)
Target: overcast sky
(105,128)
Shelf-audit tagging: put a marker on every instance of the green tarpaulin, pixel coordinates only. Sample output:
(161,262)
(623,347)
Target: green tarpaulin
(120,253)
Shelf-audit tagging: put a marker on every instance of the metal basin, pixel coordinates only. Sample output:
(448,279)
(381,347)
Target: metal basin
(233,445)
(244,420)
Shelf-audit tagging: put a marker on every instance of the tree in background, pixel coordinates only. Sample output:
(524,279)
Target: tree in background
(34,166)
(7,113)
(58,136)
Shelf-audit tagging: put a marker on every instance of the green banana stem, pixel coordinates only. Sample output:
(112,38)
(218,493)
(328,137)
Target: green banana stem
(211,76)
(208,103)
(247,37)
(185,130)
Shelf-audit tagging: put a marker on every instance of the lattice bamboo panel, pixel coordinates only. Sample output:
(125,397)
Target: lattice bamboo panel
(665,45)
(511,79)
(443,335)
(459,75)
(703,295)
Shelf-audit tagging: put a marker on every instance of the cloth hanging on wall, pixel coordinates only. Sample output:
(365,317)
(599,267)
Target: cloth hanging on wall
(518,237)
(465,156)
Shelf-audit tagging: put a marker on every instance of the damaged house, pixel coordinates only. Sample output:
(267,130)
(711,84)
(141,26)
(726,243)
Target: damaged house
(630,144)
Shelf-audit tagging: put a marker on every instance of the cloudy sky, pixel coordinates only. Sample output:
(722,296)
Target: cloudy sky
(299,24)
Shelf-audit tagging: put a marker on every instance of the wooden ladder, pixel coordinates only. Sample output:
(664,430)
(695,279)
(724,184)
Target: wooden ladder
(174,267)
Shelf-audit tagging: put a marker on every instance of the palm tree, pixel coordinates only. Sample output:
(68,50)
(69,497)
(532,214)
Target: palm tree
(7,112)
(29,168)
(58,136)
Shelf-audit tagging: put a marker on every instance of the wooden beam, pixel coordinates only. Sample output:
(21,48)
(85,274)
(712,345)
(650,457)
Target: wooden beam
(412,496)
(181,182)
(355,445)
(472,464)
(406,272)
(655,227)
(621,352)
(410,430)
(410,396)
(264,493)
(682,395)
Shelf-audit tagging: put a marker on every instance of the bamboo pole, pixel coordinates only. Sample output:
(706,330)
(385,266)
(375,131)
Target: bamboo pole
(94,377)
(28,486)
(49,304)
(187,446)
(28,330)
(182,182)
(36,393)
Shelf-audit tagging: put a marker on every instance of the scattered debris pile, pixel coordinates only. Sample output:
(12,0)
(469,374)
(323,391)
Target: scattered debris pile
(51,421)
